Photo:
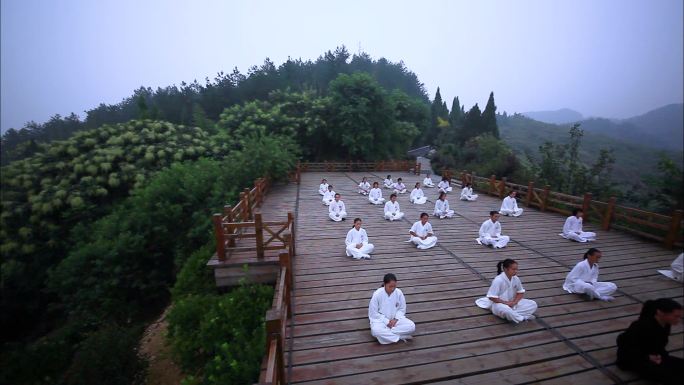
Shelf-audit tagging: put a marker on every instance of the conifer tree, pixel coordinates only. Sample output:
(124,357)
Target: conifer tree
(489,117)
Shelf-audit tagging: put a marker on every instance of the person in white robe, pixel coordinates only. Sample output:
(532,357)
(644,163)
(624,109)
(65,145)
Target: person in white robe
(427,182)
(505,295)
(417,196)
(421,233)
(442,207)
(677,269)
(509,206)
(399,187)
(388,182)
(572,229)
(329,196)
(387,313)
(444,185)
(392,210)
(364,187)
(490,232)
(375,195)
(336,210)
(357,243)
(323,187)
(467,193)
(583,278)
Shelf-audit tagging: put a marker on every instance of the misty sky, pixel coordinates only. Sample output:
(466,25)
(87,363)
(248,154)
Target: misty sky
(614,58)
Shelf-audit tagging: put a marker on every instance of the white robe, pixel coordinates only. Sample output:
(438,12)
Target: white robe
(364,188)
(323,188)
(417,197)
(388,183)
(583,279)
(506,289)
(572,229)
(337,211)
(422,230)
(467,194)
(399,188)
(490,234)
(677,267)
(444,186)
(328,197)
(383,308)
(442,209)
(509,206)
(392,211)
(375,196)
(427,182)
(355,237)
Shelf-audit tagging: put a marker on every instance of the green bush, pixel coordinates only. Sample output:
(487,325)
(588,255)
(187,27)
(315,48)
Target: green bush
(194,277)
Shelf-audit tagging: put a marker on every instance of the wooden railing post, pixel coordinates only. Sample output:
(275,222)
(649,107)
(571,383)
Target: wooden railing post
(246,207)
(291,219)
(545,197)
(286,261)
(492,184)
(274,326)
(586,203)
(257,192)
(502,187)
(675,227)
(259,231)
(608,216)
(228,213)
(220,240)
(530,193)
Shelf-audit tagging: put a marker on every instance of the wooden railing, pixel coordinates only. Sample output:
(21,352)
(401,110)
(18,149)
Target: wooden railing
(658,227)
(276,325)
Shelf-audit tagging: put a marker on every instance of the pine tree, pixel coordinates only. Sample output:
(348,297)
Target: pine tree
(455,114)
(438,111)
(489,117)
(472,124)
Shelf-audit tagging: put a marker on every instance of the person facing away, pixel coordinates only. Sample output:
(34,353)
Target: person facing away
(583,278)
(323,187)
(336,210)
(421,233)
(357,242)
(375,195)
(364,187)
(490,232)
(467,193)
(392,211)
(641,348)
(399,187)
(388,181)
(442,207)
(427,182)
(444,186)
(329,196)
(509,206)
(417,195)
(572,229)
(505,295)
(387,313)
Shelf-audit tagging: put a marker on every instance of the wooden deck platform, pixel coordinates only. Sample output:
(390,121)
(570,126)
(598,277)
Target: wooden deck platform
(571,341)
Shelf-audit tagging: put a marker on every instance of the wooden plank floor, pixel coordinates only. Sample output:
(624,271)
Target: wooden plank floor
(571,341)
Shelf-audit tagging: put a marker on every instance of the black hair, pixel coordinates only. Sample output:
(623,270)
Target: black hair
(665,305)
(468,184)
(576,210)
(591,251)
(445,178)
(330,185)
(393,195)
(424,215)
(338,194)
(418,184)
(388,176)
(441,193)
(398,179)
(511,192)
(389,277)
(356,220)
(493,212)
(374,183)
(505,264)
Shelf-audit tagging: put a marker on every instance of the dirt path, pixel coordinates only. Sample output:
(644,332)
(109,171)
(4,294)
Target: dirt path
(162,369)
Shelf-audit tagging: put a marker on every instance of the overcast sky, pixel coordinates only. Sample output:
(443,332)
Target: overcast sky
(612,58)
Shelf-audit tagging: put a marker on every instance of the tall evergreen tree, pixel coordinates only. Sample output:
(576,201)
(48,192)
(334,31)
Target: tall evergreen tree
(472,124)
(455,115)
(438,111)
(489,117)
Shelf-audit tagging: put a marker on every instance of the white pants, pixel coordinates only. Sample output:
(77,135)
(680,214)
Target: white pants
(520,312)
(376,201)
(400,191)
(328,201)
(363,192)
(388,186)
(469,197)
(584,236)
(513,213)
(321,192)
(595,290)
(343,214)
(395,217)
(429,185)
(447,214)
(499,242)
(363,252)
(424,243)
(446,190)
(403,329)
(419,201)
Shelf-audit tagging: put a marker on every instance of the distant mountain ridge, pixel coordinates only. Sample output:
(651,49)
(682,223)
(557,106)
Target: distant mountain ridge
(562,116)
